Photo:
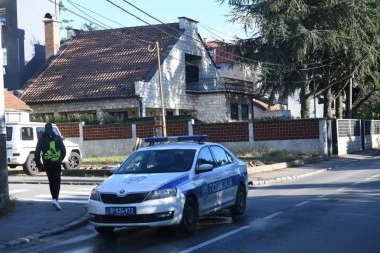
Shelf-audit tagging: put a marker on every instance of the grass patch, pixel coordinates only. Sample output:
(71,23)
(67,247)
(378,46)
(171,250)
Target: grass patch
(7,207)
(258,158)
(104,160)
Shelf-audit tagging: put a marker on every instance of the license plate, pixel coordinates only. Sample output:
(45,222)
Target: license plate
(121,211)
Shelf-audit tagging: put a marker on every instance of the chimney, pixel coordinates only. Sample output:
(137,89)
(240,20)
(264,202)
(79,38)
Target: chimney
(189,25)
(52,40)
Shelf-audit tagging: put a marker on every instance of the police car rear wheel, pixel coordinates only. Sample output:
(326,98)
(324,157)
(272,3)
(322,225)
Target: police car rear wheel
(104,230)
(240,202)
(189,216)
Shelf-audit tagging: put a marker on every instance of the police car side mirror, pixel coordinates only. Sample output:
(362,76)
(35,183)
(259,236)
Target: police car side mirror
(204,168)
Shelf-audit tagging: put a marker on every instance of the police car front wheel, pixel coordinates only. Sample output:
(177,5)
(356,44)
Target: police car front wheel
(189,216)
(240,202)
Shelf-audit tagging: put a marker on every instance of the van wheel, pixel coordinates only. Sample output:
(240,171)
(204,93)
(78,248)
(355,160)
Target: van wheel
(29,166)
(74,162)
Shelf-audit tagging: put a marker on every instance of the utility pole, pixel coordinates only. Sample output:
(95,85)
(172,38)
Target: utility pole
(161,93)
(350,98)
(4,190)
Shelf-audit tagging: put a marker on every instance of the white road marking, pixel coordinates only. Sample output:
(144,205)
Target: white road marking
(302,203)
(76,192)
(61,196)
(17,191)
(214,240)
(60,200)
(368,178)
(372,177)
(273,215)
(323,195)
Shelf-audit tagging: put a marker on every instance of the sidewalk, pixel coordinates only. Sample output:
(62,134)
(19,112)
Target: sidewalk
(33,220)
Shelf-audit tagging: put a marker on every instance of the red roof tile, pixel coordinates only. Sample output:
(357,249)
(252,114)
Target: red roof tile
(101,64)
(14,103)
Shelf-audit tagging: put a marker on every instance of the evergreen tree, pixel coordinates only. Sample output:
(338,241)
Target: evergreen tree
(298,40)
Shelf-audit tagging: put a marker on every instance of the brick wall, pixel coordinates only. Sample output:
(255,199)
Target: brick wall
(223,132)
(217,132)
(144,130)
(177,128)
(69,129)
(286,130)
(107,132)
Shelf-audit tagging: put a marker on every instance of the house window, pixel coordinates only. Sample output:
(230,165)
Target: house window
(116,117)
(88,117)
(42,117)
(244,112)
(192,68)
(234,111)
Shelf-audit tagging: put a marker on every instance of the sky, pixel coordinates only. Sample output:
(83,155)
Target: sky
(211,15)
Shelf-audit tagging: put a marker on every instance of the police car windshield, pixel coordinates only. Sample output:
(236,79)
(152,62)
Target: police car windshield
(158,161)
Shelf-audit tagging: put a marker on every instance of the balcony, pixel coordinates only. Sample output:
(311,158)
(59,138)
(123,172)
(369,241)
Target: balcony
(228,85)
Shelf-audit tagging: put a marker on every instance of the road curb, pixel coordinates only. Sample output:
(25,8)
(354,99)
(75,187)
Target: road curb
(277,166)
(260,182)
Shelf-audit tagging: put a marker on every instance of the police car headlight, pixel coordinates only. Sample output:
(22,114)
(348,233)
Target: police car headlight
(95,194)
(160,194)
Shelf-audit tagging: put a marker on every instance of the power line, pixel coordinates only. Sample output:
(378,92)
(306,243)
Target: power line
(203,49)
(208,28)
(95,13)
(66,9)
(230,60)
(133,39)
(74,5)
(150,42)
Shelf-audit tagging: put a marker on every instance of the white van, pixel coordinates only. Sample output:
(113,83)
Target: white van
(21,143)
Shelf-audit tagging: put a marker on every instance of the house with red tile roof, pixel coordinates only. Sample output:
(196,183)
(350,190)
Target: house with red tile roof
(116,72)
(15,109)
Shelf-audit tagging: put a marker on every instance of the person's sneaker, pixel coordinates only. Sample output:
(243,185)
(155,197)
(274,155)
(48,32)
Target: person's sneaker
(56,205)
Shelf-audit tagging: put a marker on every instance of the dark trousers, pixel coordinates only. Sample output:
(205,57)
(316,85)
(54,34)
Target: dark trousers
(53,173)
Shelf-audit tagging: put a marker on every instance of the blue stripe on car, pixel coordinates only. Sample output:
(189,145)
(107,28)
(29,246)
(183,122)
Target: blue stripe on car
(175,182)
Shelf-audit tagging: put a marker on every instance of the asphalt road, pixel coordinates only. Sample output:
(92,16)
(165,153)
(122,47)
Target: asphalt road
(333,211)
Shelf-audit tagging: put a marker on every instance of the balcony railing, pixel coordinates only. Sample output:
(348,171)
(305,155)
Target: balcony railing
(223,84)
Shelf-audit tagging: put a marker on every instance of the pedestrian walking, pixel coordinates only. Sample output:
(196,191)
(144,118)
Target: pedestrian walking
(53,151)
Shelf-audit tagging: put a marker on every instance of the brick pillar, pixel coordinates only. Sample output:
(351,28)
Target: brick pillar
(52,40)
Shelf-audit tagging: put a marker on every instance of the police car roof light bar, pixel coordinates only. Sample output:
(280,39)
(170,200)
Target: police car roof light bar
(197,138)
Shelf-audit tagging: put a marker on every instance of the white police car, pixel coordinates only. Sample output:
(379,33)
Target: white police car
(170,184)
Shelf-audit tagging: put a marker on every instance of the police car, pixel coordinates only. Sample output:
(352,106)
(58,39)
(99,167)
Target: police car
(171,182)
